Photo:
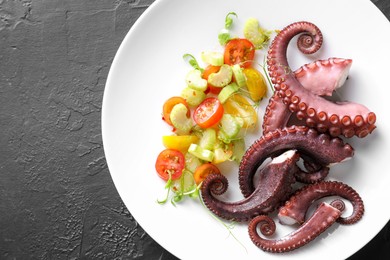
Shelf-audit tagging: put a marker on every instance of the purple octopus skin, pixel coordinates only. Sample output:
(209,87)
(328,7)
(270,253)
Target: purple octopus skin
(322,148)
(295,208)
(321,77)
(313,175)
(273,189)
(341,118)
(324,216)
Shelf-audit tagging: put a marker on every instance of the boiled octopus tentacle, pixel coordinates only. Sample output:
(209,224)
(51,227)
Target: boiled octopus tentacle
(295,208)
(321,77)
(324,216)
(312,176)
(341,118)
(308,142)
(273,189)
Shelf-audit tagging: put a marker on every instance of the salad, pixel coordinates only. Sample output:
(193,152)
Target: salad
(214,111)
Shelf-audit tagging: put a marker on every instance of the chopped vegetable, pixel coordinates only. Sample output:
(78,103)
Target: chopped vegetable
(257,35)
(208,139)
(201,153)
(179,119)
(238,75)
(192,162)
(238,149)
(223,153)
(170,164)
(230,127)
(255,83)
(179,142)
(239,106)
(208,113)
(169,104)
(222,77)
(203,170)
(195,81)
(212,57)
(206,73)
(239,51)
(192,96)
(227,91)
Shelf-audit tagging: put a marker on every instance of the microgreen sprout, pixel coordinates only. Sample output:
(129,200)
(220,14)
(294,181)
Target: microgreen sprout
(192,61)
(224,35)
(229,226)
(181,188)
(229,20)
(168,186)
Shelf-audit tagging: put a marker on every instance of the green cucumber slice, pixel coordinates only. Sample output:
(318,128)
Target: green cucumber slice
(201,153)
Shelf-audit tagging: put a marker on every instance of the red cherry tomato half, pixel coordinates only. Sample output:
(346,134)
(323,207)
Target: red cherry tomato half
(170,162)
(239,51)
(208,113)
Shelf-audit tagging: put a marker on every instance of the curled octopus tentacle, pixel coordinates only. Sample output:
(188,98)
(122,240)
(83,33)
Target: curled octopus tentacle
(324,216)
(273,189)
(308,142)
(321,77)
(341,118)
(295,208)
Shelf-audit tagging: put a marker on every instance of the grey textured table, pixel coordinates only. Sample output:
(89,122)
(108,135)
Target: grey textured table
(57,199)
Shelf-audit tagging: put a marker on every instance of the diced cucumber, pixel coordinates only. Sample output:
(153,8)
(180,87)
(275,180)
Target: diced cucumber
(208,139)
(192,162)
(230,126)
(195,81)
(212,57)
(201,153)
(238,149)
(222,155)
(187,182)
(254,33)
(222,77)
(179,119)
(227,91)
(192,96)
(239,75)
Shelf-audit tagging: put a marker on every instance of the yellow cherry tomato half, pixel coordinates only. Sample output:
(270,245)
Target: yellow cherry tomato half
(238,105)
(179,142)
(255,83)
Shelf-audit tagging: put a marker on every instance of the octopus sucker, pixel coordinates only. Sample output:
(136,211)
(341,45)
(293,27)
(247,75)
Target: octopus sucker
(274,187)
(321,148)
(323,217)
(320,113)
(295,208)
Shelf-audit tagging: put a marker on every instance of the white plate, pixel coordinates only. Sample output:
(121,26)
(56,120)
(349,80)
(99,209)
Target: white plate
(149,68)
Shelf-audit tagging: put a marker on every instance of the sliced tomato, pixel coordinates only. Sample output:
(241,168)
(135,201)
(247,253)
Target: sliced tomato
(206,73)
(239,51)
(208,113)
(170,162)
(203,170)
(169,104)
(255,84)
(179,142)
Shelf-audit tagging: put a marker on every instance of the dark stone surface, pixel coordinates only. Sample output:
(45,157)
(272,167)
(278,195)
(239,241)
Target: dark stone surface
(57,199)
